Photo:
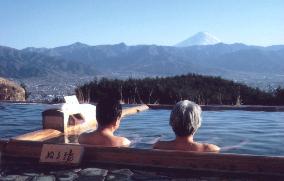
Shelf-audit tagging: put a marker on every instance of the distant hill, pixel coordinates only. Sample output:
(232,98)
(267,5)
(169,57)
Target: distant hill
(21,64)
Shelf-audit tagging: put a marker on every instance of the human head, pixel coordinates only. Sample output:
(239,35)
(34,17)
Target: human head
(185,118)
(108,111)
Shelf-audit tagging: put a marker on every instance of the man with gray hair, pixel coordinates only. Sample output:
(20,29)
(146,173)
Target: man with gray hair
(185,119)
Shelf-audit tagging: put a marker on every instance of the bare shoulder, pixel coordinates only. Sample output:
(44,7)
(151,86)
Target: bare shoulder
(122,142)
(211,148)
(84,138)
(161,145)
(125,142)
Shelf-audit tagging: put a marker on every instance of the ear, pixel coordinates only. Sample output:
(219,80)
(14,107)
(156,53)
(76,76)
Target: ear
(117,122)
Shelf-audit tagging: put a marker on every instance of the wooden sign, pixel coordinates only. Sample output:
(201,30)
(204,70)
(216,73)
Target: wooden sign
(61,154)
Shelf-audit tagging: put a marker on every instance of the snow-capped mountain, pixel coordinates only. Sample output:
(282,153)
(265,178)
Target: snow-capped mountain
(201,38)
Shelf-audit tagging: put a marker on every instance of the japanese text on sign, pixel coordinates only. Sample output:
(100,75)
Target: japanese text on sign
(62,154)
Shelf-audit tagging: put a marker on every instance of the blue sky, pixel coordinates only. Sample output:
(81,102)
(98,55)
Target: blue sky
(51,23)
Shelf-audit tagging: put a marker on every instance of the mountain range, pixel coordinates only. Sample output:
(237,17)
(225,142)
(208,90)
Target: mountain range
(120,60)
(23,64)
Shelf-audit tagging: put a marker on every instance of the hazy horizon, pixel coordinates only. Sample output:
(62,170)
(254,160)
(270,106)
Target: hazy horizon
(50,47)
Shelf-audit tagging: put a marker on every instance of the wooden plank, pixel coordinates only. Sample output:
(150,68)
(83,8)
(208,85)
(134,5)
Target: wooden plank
(80,128)
(160,106)
(23,149)
(40,135)
(3,144)
(215,162)
(186,160)
(225,107)
(134,110)
(242,108)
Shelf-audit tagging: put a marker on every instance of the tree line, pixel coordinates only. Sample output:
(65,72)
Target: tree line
(203,90)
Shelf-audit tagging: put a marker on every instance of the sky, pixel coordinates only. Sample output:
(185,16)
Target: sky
(51,23)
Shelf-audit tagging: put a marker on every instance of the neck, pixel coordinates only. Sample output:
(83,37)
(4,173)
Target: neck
(106,129)
(183,139)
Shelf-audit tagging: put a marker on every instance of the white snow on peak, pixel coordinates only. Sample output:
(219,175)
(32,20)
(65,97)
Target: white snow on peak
(201,38)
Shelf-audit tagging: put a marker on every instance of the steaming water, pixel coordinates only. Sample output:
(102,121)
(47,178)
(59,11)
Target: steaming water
(260,133)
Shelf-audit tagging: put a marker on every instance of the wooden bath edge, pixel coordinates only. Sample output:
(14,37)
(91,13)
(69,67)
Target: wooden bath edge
(163,159)
(225,107)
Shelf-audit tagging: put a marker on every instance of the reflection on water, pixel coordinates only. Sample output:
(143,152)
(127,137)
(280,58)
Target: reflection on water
(237,131)
(17,119)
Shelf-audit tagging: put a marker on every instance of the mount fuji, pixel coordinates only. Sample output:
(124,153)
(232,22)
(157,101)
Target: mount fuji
(201,38)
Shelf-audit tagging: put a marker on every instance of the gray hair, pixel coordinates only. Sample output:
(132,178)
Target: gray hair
(185,118)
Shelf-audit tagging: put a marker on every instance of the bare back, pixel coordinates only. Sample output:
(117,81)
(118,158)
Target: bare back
(187,146)
(99,139)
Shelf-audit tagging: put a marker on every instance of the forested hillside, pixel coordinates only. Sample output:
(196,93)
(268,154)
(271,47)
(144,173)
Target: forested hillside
(169,90)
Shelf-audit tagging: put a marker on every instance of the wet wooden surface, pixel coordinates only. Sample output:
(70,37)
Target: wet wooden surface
(186,160)
(40,135)
(134,110)
(225,107)
(213,162)
(3,144)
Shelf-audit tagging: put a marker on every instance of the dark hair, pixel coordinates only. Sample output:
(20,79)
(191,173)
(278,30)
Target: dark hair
(107,111)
